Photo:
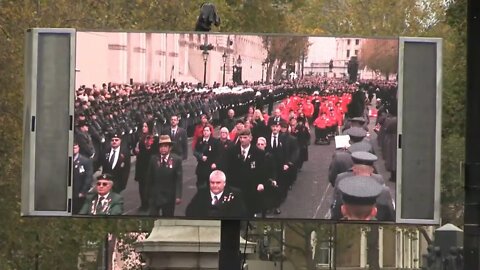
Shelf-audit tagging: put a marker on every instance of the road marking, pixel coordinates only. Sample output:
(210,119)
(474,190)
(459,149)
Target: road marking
(321,201)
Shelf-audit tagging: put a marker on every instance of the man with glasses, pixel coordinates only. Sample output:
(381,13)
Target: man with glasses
(104,201)
(116,161)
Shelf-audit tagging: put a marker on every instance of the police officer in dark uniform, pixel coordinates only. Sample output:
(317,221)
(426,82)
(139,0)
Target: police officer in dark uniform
(355,122)
(357,140)
(364,166)
(359,195)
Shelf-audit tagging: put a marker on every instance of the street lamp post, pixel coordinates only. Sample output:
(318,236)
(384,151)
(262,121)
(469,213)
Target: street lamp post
(205,47)
(205,59)
(263,68)
(224,57)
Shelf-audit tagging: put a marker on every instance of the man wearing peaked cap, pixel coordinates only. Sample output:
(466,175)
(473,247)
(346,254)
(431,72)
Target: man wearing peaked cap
(359,194)
(363,165)
(104,201)
(356,122)
(356,132)
(357,140)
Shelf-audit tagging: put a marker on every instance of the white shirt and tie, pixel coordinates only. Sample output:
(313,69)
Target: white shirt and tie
(215,197)
(164,159)
(174,131)
(244,151)
(274,141)
(114,154)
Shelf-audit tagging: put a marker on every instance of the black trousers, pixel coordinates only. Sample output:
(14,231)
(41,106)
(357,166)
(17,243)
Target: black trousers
(202,180)
(167,210)
(142,189)
(77,204)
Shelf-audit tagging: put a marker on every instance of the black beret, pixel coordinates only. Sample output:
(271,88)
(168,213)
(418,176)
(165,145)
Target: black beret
(105,176)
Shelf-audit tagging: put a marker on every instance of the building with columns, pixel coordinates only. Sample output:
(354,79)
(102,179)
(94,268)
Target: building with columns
(119,57)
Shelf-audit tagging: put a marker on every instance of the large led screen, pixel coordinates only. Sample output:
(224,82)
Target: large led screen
(237,126)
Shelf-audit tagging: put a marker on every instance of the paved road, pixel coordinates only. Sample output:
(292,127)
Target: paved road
(310,197)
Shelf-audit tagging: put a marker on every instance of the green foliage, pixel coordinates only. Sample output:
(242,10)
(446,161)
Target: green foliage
(453,152)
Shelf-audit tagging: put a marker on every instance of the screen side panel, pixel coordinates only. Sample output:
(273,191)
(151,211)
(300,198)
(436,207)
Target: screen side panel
(53,97)
(418,139)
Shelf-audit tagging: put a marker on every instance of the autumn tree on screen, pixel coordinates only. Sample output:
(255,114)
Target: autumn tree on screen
(380,55)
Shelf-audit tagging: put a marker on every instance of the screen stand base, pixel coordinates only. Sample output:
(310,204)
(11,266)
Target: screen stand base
(229,254)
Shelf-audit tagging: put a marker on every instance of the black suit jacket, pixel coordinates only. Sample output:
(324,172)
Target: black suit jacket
(287,151)
(164,181)
(231,204)
(208,149)
(245,174)
(180,141)
(121,171)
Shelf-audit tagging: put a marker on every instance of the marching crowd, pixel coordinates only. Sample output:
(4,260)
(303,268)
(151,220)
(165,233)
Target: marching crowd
(247,166)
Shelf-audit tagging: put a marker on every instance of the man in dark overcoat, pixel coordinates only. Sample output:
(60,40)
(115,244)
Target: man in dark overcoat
(218,200)
(164,180)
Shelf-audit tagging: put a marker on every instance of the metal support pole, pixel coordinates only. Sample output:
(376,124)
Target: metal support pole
(229,254)
(262,74)
(204,73)
(472,147)
(105,253)
(223,74)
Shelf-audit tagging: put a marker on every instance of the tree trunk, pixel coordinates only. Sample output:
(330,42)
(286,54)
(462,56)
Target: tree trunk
(372,248)
(278,72)
(269,72)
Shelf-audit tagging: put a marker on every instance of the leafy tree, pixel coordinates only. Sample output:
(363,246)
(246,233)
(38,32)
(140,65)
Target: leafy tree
(283,50)
(380,55)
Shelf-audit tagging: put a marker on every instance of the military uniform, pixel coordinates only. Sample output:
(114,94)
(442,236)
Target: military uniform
(82,180)
(359,191)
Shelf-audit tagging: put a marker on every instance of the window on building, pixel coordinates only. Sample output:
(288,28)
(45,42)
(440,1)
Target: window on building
(348,53)
(357,41)
(325,256)
(348,41)
(356,52)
